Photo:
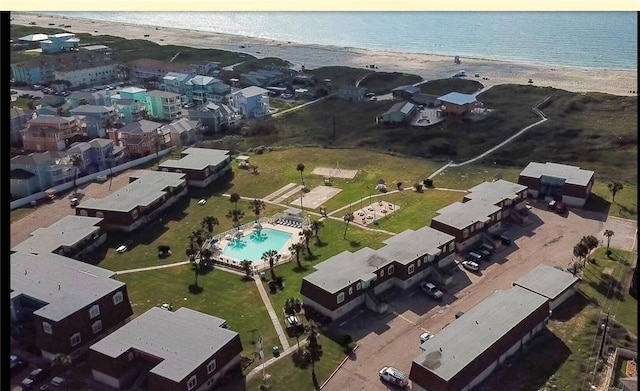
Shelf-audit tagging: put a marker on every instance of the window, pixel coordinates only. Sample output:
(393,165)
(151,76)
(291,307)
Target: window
(350,291)
(47,328)
(96,326)
(411,269)
(83,212)
(498,216)
(100,214)
(134,214)
(94,311)
(130,356)
(465,233)
(117,298)
(340,297)
(358,286)
(419,262)
(211,367)
(382,273)
(75,339)
(451,246)
(193,381)
(507,202)
(390,270)
(472,228)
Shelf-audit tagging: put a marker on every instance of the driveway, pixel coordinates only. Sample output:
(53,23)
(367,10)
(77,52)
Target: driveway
(393,339)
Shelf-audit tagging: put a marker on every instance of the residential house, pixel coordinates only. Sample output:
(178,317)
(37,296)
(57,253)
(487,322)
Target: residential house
(200,89)
(31,41)
(404,92)
(96,48)
(216,116)
(97,98)
(97,118)
(175,82)
(163,105)
(63,305)
(49,133)
(352,93)
(267,77)
(553,284)
(457,105)
(509,196)
(204,68)
(425,99)
(96,155)
(141,138)
(79,75)
(468,221)
(146,69)
(401,112)
(348,280)
(251,102)
(131,104)
(42,69)
(61,42)
(464,353)
(569,184)
(176,351)
(143,200)
(34,173)
(72,236)
(185,132)
(18,118)
(202,166)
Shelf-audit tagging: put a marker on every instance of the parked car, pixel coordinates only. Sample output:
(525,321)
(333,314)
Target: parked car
(394,376)
(561,208)
(124,247)
(373,99)
(470,265)
(473,256)
(487,247)
(459,314)
(424,337)
(74,202)
(35,376)
(483,253)
(431,290)
(58,381)
(506,241)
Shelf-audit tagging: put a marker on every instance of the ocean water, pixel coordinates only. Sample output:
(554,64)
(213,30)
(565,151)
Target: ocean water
(580,39)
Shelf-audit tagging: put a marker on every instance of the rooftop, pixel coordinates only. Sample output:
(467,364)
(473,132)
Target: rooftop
(572,174)
(461,215)
(202,80)
(34,37)
(464,340)
(163,94)
(252,91)
(182,125)
(409,245)
(411,89)
(197,159)
(345,268)
(184,340)
(149,187)
(33,159)
(457,98)
(494,192)
(547,281)
(91,109)
(142,126)
(64,284)
(95,47)
(65,232)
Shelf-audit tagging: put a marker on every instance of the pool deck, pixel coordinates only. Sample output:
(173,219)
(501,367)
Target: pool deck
(259,265)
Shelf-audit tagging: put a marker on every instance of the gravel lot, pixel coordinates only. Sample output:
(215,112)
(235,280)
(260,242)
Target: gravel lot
(393,339)
(49,212)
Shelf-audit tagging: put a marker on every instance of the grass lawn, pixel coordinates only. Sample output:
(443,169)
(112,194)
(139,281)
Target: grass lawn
(384,82)
(466,177)
(445,86)
(625,205)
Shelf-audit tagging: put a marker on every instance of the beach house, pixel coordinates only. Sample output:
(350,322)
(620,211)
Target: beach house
(404,92)
(52,133)
(97,154)
(202,166)
(163,105)
(37,172)
(349,280)
(97,98)
(352,93)
(175,82)
(185,132)
(131,104)
(141,138)
(176,351)
(201,89)
(143,200)
(401,112)
(18,120)
(97,118)
(215,116)
(63,305)
(569,184)
(61,42)
(145,69)
(457,105)
(251,102)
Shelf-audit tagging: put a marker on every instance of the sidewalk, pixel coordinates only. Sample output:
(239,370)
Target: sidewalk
(272,314)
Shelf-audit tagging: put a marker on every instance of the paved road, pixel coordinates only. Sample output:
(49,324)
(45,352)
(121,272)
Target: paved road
(394,340)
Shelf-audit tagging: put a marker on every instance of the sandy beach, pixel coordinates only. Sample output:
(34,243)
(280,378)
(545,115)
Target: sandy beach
(429,67)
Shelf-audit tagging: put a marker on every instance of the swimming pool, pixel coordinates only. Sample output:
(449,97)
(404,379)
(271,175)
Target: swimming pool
(252,246)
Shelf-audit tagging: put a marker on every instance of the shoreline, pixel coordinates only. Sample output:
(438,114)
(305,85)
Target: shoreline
(429,66)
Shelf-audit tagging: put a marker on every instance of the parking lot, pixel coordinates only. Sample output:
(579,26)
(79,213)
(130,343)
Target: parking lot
(393,339)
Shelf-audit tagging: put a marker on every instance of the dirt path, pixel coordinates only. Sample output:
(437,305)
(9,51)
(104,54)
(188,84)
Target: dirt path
(50,212)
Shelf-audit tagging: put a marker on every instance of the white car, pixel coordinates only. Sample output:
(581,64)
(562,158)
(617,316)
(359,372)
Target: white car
(202,202)
(431,290)
(470,265)
(394,376)
(424,337)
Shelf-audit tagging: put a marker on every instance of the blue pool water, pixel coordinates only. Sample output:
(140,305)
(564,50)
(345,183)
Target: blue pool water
(252,247)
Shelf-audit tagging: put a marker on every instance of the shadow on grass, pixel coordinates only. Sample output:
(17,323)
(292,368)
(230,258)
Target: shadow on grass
(570,308)
(354,243)
(310,258)
(608,287)
(195,289)
(321,244)
(299,360)
(299,269)
(596,203)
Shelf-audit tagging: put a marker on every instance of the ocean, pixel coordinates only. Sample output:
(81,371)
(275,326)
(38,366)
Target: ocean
(580,39)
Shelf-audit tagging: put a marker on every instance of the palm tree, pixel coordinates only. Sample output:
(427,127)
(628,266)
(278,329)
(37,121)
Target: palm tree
(196,237)
(580,250)
(316,225)
(196,268)
(308,234)
(608,233)
(272,257)
(300,168)
(208,223)
(191,253)
(234,198)
(76,161)
(591,242)
(313,350)
(257,206)
(614,188)
(246,266)
(205,255)
(347,219)
(235,215)
(297,247)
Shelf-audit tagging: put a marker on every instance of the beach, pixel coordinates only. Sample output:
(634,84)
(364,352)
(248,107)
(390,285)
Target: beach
(428,66)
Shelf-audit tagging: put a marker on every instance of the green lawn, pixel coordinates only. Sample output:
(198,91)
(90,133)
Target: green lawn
(384,82)
(470,175)
(625,205)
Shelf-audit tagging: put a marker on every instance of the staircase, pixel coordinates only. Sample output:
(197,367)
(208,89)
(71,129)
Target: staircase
(440,278)
(375,304)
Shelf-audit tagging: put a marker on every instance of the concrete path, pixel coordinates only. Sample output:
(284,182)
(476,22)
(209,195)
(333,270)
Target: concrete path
(272,314)
(144,269)
(264,365)
(301,106)
(278,192)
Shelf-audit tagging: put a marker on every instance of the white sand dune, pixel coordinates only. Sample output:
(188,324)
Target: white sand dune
(430,67)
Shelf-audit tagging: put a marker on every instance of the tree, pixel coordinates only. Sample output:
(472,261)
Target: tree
(257,206)
(591,242)
(191,253)
(308,234)
(208,223)
(614,188)
(76,161)
(206,255)
(235,215)
(297,247)
(234,198)
(272,257)
(293,307)
(196,238)
(196,268)
(246,266)
(347,219)
(580,250)
(300,168)
(608,233)
(316,225)
(313,351)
